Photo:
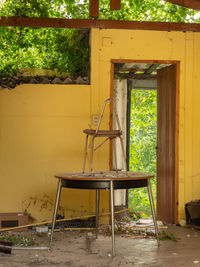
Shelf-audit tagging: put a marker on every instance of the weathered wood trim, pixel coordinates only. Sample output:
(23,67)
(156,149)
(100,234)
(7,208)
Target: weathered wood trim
(102,24)
(193,4)
(177,141)
(115,4)
(144,61)
(136,76)
(94,8)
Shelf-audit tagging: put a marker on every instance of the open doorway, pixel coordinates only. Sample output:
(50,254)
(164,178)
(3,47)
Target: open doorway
(142,136)
(148,92)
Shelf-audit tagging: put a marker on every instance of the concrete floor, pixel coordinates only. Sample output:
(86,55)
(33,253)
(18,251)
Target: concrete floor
(72,249)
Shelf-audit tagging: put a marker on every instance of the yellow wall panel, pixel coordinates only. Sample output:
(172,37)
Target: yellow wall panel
(41,125)
(41,134)
(154,45)
(126,44)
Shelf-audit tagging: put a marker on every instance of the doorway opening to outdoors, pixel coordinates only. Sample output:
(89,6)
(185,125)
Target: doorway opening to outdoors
(146,93)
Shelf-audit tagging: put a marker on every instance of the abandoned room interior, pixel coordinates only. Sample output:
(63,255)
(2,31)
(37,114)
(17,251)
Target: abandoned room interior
(46,125)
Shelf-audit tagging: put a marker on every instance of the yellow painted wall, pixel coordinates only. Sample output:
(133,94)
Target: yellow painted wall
(41,134)
(41,125)
(155,45)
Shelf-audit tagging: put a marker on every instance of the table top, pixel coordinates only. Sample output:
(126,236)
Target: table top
(104,176)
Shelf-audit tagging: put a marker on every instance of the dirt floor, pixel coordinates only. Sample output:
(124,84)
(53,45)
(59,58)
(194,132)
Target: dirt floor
(78,249)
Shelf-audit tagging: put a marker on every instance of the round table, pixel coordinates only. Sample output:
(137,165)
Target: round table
(104,180)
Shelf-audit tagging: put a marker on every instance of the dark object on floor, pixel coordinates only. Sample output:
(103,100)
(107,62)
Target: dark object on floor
(192,212)
(89,239)
(5,246)
(79,223)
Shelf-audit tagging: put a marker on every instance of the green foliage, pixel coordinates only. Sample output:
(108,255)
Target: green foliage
(165,236)
(143,139)
(18,240)
(64,49)
(124,230)
(45,8)
(44,48)
(154,10)
(148,10)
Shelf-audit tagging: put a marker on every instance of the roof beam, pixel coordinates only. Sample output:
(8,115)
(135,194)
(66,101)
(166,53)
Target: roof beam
(144,84)
(94,8)
(102,24)
(193,4)
(152,68)
(118,66)
(135,76)
(115,4)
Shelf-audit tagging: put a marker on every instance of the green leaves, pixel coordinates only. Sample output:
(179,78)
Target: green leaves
(65,50)
(143,129)
(165,236)
(154,10)
(143,139)
(19,240)
(45,8)
(148,10)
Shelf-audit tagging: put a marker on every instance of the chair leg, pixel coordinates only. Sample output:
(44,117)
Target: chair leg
(112,217)
(97,211)
(152,208)
(85,153)
(55,211)
(92,153)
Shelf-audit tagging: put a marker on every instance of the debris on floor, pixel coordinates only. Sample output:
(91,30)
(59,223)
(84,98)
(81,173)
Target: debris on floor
(79,249)
(90,237)
(17,239)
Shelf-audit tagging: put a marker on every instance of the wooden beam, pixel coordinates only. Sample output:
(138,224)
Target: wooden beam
(102,24)
(144,61)
(118,66)
(193,4)
(115,4)
(136,76)
(152,68)
(131,70)
(144,84)
(94,8)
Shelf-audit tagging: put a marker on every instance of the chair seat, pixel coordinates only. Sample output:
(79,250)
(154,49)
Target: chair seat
(103,133)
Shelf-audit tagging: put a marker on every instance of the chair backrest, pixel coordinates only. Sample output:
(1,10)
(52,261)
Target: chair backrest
(114,113)
(116,117)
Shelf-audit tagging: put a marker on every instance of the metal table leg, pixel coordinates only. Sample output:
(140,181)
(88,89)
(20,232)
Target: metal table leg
(97,211)
(85,152)
(152,208)
(55,211)
(112,217)
(92,154)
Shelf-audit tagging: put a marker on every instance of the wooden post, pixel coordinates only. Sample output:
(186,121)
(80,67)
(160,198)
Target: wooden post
(115,4)
(193,4)
(94,8)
